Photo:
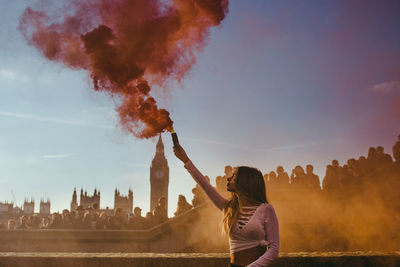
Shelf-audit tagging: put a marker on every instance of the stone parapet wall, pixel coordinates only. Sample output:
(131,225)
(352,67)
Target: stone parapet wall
(189,232)
(191,259)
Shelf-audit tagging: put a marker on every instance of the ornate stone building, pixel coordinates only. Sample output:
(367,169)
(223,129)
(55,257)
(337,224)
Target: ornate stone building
(44,207)
(29,206)
(6,207)
(74,202)
(85,200)
(159,180)
(124,202)
(159,176)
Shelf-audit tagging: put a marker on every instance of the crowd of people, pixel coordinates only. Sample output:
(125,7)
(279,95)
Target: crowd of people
(92,218)
(336,177)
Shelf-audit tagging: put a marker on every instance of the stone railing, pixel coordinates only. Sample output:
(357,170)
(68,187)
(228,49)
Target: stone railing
(189,232)
(192,260)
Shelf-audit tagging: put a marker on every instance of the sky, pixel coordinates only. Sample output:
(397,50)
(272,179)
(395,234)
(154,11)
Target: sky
(278,83)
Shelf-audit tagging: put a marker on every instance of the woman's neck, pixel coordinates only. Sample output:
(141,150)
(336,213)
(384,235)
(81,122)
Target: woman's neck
(245,201)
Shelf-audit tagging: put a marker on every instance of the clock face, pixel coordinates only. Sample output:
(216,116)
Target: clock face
(159,174)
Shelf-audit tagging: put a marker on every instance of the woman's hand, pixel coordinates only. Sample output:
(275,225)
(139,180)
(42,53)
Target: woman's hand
(181,154)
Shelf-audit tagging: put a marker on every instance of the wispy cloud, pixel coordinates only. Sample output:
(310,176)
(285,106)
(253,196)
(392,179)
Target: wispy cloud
(57,156)
(386,87)
(231,145)
(53,120)
(7,74)
(292,147)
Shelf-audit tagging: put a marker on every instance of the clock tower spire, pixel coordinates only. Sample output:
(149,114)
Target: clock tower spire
(159,176)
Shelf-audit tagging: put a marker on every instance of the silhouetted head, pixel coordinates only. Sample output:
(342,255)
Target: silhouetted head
(23,219)
(335,163)
(118,211)
(272,175)
(280,170)
(65,212)
(380,150)
(362,158)
(11,224)
(371,153)
(298,170)
(351,162)
(181,200)
(248,182)
(228,171)
(309,169)
(137,212)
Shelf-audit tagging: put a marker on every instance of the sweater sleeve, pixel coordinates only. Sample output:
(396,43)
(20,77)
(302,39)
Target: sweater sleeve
(211,192)
(272,232)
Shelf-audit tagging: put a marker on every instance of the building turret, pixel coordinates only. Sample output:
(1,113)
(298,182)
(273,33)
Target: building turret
(159,176)
(74,202)
(44,207)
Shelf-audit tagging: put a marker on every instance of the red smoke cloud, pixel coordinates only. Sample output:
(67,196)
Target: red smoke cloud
(125,45)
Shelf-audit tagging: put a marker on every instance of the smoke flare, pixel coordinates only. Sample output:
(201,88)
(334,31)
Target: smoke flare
(126,46)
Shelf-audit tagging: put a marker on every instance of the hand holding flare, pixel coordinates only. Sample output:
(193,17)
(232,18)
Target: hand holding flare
(178,150)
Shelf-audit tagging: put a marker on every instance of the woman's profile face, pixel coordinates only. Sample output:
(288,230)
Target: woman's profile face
(231,185)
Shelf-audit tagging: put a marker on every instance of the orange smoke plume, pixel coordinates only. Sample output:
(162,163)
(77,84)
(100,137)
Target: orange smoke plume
(126,45)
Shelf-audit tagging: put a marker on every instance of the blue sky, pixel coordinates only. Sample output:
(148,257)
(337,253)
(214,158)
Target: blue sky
(279,83)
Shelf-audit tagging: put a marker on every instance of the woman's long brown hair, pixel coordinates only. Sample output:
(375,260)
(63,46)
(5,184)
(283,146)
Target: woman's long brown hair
(250,182)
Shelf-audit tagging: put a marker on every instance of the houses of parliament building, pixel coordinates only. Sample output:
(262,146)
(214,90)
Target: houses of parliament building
(159,181)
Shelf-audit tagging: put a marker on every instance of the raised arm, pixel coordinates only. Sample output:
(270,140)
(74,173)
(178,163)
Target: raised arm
(211,192)
(272,238)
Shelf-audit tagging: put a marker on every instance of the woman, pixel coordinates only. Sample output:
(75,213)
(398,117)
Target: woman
(249,220)
(182,206)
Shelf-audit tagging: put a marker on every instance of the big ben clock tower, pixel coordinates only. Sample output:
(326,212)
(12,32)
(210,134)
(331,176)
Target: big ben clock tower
(159,176)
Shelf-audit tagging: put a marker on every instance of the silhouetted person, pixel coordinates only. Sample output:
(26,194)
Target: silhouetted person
(297,178)
(137,221)
(311,179)
(396,150)
(67,221)
(78,220)
(44,224)
(149,220)
(182,206)
(34,222)
(55,221)
(372,159)
(90,218)
(283,177)
(23,222)
(363,163)
(199,196)
(331,180)
(11,225)
(353,168)
(348,175)
(119,220)
(272,179)
(102,222)
(383,158)
(160,212)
